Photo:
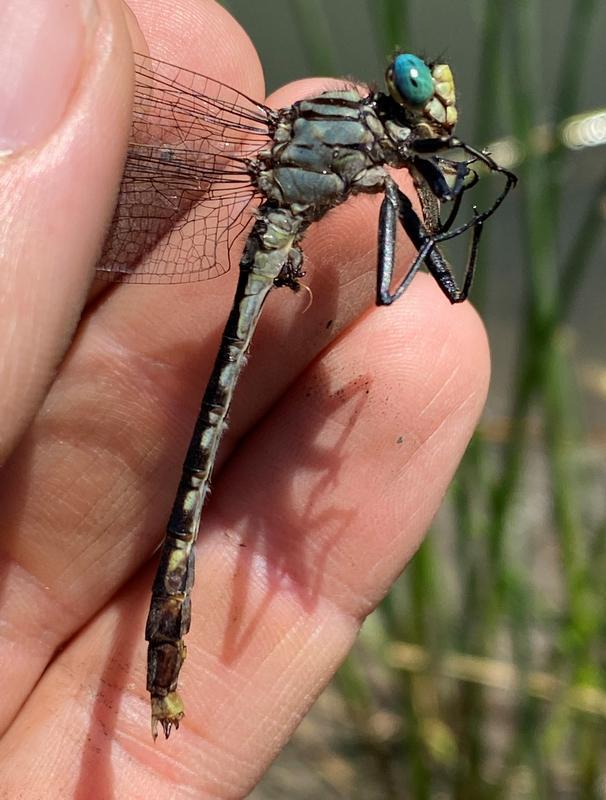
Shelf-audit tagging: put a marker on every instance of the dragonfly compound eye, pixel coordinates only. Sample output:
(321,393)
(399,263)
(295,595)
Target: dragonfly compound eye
(409,80)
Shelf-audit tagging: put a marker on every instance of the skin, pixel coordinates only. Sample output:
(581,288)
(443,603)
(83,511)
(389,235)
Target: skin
(371,410)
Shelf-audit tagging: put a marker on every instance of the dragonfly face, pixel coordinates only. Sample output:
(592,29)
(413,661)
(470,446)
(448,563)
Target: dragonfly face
(425,92)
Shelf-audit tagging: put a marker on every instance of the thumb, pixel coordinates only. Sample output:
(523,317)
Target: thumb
(64,121)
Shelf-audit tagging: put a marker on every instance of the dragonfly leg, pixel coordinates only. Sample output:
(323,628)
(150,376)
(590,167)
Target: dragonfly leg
(291,272)
(388,217)
(428,251)
(430,171)
(442,272)
(433,188)
(434,145)
(397,206)
(432,174)
(458,191)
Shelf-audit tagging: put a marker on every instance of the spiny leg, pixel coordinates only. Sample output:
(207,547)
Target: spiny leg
(462,172)
(388,218)
(397,205)
(433,188)
(435,261)
(435,145)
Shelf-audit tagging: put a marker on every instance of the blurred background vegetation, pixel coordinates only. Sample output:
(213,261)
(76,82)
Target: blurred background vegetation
(483,673)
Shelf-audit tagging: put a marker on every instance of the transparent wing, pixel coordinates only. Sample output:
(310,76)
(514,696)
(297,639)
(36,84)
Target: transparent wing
(186,186)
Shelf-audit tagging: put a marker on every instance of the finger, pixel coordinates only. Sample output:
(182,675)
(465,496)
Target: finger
(62,493)
(202,36)
(66,119)
(310,522)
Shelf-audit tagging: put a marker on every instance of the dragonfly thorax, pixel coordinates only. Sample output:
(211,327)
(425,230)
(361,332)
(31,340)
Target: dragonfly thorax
(326,148)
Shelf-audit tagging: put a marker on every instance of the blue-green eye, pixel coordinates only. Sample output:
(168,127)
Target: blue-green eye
(411,79)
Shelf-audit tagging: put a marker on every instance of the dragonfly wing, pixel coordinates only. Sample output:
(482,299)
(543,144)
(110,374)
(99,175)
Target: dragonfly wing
(186,185)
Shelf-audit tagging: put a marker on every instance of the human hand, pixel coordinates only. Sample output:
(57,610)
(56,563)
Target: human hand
(347,427)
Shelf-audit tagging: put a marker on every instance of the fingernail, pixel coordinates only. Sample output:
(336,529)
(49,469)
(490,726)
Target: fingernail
(42,47)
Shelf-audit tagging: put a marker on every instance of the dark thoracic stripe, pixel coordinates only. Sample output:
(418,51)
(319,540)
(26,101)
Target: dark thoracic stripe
(334,101)
(311,115)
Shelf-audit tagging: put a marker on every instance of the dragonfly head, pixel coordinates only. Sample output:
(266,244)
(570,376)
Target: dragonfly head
(426,90)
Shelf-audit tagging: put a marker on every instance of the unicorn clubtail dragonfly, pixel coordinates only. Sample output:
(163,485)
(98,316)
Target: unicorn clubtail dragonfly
(199,152)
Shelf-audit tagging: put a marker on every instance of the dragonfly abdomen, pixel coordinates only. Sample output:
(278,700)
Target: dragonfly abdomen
(271,245)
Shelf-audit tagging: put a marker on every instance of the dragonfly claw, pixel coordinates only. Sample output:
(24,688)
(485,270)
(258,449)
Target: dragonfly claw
(167,711)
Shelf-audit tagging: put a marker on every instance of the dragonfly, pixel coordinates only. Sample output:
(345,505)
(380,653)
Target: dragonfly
(200,151)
